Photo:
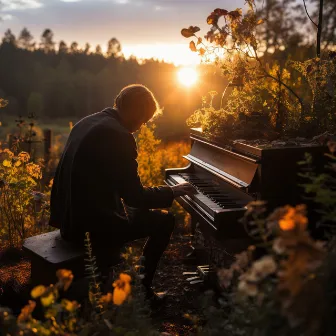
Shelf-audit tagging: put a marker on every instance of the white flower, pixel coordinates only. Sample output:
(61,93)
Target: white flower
(264,267)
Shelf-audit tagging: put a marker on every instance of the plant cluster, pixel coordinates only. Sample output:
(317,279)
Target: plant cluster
(267,93)
(120,312)
(24,209)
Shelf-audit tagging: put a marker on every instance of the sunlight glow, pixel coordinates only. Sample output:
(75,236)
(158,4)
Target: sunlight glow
(187,76)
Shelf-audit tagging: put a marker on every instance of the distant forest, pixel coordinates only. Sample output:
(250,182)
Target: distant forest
(61,82)
(69,82)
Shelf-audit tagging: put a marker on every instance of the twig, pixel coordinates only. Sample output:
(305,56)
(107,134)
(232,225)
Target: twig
(305,7)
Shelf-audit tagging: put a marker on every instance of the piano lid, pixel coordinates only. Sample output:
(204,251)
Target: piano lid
(237,169)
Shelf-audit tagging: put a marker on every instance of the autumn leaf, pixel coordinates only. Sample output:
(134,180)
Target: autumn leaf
(220,11)
(186,33)
(212,19)
(202,51)
(199,40)
(192,46)
(194,29)
(260,21)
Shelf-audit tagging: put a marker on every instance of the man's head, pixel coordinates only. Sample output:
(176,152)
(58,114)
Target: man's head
(136,105)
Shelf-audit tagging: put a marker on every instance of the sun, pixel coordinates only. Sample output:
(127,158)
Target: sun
(187,76)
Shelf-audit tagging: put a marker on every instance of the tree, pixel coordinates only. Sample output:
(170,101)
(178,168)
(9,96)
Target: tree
(113,48)
(99,50)
(35,104)
(329,21)
(87,48)
(74,48)
(280,24)
(25,40)
(47,44)
(9,37)
(62,48)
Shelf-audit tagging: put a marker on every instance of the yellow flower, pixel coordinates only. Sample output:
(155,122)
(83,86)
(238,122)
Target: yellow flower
(26,311)
(9,153)
(122,289)
(264,267)
(70,305)
(7,163)
(65,277)
(24,156)
(51,183)
(34,170)
(48,300)
(37,291)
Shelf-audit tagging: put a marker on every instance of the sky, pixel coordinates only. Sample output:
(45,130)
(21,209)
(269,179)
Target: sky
(145,28)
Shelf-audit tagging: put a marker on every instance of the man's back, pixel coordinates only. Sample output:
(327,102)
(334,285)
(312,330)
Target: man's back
(80,192)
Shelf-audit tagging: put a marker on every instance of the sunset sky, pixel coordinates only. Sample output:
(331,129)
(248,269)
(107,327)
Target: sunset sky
(145,28)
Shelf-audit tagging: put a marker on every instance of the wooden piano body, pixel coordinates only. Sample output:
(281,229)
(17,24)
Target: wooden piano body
(228,178)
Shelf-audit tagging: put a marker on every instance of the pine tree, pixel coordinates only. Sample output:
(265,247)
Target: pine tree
(9,37)
(113,48)
(25,40)
(62,48)
(47,44)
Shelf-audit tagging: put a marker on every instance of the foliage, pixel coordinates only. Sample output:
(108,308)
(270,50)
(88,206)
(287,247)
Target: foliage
(123,312)
(322,187)
(266,93)
(153,158)
(269,296)
(23,208)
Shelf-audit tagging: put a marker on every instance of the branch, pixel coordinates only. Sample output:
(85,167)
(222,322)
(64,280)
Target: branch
(304,3)
(281,82)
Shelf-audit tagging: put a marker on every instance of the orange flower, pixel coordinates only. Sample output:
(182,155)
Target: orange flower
(65,277)
(106,299)
(122,289)
(26,311)
(294,218)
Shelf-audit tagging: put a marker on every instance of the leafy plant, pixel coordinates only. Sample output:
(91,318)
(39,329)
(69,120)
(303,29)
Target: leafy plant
(266,94)
(23,208)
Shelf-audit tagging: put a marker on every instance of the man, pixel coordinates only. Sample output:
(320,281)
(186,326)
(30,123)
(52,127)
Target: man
(98,173)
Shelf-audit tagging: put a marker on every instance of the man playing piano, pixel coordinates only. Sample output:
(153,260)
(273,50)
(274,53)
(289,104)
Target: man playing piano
(97,179)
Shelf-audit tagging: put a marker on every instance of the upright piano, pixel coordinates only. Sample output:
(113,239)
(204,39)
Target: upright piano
(228,177)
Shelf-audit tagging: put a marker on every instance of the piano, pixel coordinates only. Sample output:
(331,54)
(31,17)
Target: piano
(228,177)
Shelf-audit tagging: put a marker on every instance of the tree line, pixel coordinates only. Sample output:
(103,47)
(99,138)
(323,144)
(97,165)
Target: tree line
(38,77)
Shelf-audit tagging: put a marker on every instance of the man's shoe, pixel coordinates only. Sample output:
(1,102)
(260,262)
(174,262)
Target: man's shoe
(155,299)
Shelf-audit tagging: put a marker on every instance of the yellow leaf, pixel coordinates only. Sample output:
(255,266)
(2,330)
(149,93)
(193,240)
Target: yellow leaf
(17,163)
(7,163)
(260,21)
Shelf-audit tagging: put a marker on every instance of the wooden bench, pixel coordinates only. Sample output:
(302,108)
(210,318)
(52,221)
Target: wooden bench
(48,253)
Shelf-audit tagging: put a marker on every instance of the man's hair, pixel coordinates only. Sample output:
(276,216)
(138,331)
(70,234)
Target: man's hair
(137,98)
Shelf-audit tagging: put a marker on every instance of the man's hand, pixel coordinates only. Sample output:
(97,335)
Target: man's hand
(184,189)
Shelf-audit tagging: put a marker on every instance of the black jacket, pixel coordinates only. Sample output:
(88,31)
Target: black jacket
(97,169)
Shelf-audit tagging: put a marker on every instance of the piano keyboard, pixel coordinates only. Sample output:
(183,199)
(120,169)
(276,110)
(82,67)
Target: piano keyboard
(210,196)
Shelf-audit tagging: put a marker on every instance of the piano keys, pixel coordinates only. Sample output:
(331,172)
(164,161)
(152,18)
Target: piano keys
(227,178)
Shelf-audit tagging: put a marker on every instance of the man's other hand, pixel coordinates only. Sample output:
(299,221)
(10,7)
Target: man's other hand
(184,189)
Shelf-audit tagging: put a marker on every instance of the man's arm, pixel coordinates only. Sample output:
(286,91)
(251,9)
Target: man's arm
(130,187)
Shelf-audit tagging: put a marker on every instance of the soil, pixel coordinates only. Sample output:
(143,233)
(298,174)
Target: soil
(182,298)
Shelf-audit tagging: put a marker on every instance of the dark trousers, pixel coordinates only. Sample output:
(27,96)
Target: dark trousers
(155,225)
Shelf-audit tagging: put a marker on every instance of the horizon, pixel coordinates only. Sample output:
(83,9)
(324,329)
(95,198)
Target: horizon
(146,29)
